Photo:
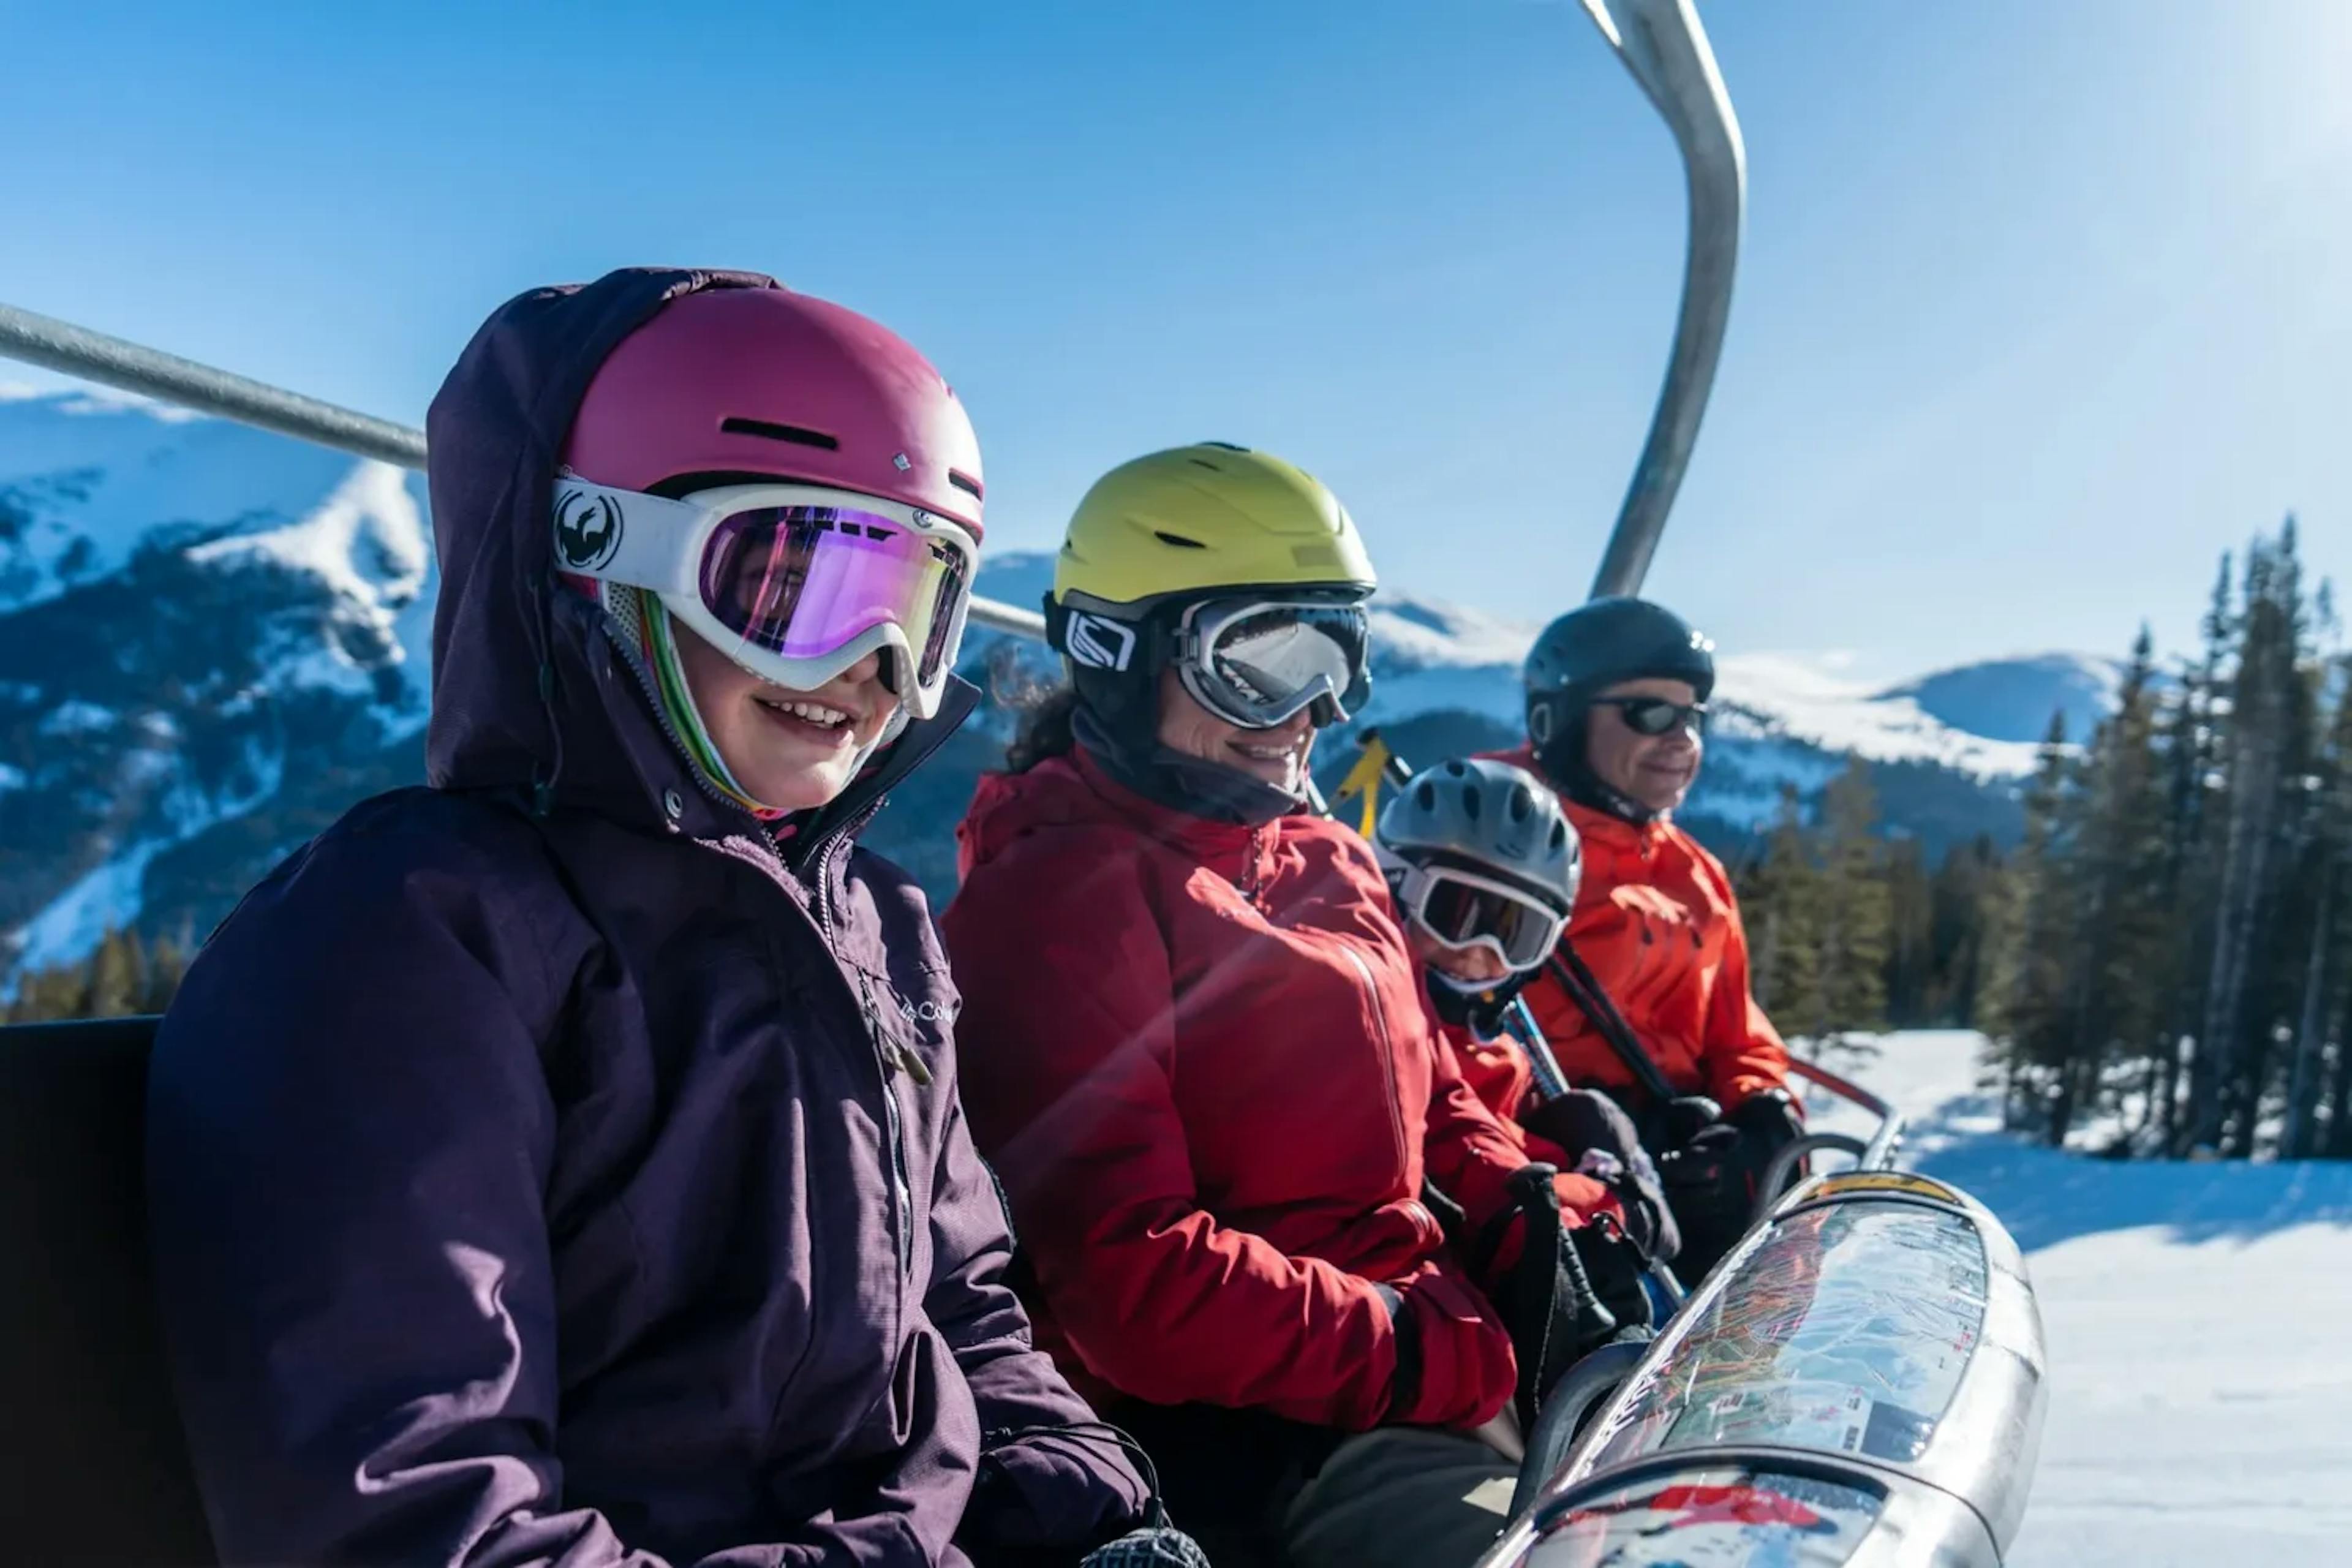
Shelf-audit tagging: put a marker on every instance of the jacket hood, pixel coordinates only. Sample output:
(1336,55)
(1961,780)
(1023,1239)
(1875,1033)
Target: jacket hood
(530,692)
(512,672)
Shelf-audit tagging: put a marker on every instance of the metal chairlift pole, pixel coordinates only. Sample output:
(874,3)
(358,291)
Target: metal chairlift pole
(1666,49)
(132,367)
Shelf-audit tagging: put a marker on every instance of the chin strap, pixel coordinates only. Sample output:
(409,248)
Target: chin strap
(1563,762)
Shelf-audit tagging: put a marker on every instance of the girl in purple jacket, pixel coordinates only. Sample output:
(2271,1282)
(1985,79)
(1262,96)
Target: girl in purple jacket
(561,1163)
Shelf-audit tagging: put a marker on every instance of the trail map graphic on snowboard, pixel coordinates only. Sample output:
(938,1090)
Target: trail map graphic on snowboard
(1848,1332)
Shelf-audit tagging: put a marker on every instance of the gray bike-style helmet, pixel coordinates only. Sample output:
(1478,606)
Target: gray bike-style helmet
(1479,853)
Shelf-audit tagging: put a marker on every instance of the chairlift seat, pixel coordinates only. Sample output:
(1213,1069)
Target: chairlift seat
(93,1465)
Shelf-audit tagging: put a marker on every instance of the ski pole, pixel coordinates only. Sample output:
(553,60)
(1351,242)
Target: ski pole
(1519,1023)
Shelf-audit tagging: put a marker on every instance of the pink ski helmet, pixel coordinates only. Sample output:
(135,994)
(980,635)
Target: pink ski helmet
(842,517)
(765,380)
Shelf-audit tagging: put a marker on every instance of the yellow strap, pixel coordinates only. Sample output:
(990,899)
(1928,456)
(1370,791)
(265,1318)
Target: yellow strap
(1364,778)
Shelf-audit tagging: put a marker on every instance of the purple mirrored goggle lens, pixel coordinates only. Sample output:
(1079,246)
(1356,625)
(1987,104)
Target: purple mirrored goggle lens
(801,581)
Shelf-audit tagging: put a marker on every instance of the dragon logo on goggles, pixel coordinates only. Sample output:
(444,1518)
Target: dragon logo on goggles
(587,530)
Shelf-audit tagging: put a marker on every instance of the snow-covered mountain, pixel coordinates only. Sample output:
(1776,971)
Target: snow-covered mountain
(212,640)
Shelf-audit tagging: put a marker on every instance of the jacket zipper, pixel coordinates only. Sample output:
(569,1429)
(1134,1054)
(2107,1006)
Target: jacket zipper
(902,1196)
(1388,1054)
(887,1055)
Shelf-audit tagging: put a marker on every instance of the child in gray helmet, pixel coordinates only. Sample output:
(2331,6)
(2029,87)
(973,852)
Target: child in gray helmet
(1484,867)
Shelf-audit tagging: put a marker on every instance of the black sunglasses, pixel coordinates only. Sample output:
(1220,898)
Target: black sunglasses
(1656,715)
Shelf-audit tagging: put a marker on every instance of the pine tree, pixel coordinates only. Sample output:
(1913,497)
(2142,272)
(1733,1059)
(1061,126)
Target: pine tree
(2038,1016)
(2120,861)
(1966,902)
(167,963)
(2319,1019)
(1855,918)
(116,979)
(1911,977)
(1782,904)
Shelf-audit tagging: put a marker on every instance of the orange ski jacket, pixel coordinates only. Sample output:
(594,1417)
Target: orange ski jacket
(1658,922)
(1200,1057)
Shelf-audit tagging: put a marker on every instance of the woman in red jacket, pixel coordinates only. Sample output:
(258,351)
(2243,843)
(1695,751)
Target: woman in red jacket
(1617,692)
(1202,1055)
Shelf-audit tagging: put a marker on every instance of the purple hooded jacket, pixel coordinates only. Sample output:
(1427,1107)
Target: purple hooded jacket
(544,1168)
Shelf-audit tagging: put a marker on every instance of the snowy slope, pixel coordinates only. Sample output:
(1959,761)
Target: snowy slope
(2201,1372)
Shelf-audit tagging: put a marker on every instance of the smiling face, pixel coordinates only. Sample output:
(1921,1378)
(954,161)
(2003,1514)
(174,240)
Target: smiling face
(789,749)
(1471,965)
(1276,756)
(1654,772)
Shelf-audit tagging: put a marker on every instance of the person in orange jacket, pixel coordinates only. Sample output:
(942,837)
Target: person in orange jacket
(1203,1061)
(1616,693)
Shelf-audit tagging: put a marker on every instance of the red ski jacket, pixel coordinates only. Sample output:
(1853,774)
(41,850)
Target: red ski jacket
(1657,921)
(1499,1074)
(1201,1061)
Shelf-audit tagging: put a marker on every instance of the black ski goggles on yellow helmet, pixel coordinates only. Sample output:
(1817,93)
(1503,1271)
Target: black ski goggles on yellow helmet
(1258,662)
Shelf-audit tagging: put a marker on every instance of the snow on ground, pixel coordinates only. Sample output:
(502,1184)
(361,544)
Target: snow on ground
(2201,1397)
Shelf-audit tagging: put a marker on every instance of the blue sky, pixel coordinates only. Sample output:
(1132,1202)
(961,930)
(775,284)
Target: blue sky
(2042,305)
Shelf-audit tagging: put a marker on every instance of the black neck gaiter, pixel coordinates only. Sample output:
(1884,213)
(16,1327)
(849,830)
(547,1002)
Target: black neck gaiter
(1169,778)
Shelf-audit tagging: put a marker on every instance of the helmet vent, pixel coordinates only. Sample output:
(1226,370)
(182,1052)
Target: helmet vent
(1425,796)
(1558,836)
(1204,463)
(1224,446)
(964,483)
(1178,539)
(796,435)
(1471,804)
(1522,803)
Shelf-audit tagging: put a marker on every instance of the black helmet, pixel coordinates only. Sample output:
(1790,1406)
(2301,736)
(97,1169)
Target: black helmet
(1590,649)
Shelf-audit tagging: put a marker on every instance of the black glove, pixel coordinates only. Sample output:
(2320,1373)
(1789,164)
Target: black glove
(1711,1178)
(1770,1120)
(1685,1119)
(1600,1141)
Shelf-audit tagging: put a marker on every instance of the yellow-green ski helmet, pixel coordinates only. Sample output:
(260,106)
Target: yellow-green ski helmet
(1203,519)
(1239,571)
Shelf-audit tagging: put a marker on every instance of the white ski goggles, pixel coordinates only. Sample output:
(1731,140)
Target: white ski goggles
(1256,662)
(794,583)
(1460,910)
